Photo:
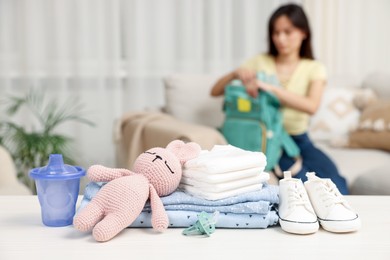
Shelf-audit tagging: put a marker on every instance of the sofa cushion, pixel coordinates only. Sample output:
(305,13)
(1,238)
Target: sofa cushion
(354,163)
(188,99)
(374,183)
(336,115)
(374,128)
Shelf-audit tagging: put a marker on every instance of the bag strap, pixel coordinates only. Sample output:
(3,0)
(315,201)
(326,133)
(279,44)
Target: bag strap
(289,145)
(263,137)
(294,169)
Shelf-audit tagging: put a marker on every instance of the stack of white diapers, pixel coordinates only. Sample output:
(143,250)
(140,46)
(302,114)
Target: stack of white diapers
(223,172)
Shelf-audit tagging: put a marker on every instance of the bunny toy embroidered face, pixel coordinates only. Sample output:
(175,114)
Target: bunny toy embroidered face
(156,172)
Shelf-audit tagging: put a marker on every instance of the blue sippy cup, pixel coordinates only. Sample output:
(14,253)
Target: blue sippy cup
(58,187)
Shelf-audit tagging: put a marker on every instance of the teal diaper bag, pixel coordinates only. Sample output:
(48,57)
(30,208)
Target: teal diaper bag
(255,124)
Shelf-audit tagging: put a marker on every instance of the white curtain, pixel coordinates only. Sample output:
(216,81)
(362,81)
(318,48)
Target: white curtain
(112,54)
(351,37)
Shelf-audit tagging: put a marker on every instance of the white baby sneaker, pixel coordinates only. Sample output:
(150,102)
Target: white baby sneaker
(333,211)
(296,215)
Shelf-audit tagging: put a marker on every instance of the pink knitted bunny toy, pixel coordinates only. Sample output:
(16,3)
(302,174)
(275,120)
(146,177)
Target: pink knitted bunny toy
(157,172)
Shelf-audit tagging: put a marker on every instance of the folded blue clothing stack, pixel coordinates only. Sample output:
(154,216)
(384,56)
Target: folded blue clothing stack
(249,210)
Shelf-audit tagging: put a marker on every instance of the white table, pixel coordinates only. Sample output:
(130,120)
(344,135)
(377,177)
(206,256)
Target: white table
(23,236)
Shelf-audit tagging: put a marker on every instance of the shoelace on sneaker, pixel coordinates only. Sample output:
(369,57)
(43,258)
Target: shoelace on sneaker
(296,197)
(330,194)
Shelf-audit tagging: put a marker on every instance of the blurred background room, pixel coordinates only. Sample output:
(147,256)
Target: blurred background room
(109,57)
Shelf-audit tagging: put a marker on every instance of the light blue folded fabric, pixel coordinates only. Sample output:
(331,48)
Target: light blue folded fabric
(179,218)
(248,210)
(257,207)
(91,189)
(269,193)
(182,219)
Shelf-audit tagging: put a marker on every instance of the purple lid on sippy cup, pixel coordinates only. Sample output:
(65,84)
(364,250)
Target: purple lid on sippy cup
(56,169)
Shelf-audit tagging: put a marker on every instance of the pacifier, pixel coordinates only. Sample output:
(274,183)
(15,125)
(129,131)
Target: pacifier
(205,225)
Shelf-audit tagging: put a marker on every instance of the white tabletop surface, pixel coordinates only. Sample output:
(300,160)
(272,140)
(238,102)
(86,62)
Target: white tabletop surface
(23,236)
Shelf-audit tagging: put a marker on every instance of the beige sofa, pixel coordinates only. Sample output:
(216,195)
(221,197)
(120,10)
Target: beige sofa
(9,184)
(191,114)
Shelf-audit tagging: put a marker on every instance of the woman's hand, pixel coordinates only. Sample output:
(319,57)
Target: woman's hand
(308,104)
(264,86)
(245,75)
(248,79)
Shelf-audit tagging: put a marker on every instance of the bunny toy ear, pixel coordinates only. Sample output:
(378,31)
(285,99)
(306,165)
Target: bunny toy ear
(184,151)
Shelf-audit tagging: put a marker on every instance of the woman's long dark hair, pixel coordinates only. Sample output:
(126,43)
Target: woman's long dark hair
(298,18)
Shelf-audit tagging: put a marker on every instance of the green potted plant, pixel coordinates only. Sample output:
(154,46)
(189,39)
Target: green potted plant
(30,146)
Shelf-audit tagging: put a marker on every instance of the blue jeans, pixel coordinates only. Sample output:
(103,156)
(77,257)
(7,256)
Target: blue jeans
(314,160)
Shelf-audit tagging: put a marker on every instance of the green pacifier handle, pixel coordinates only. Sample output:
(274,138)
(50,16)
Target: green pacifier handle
(205,225)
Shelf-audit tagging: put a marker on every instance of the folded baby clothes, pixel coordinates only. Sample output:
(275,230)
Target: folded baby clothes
(223,176)
(268,193)
(253,207)
(226,158)
(258,202)
(185,218)
(179,218)
(183,209)
(225,186)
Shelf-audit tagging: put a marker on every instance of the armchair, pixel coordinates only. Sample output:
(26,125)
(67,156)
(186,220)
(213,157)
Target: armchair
(9,184)
(190,114)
